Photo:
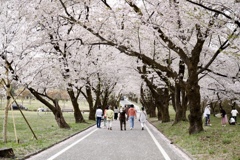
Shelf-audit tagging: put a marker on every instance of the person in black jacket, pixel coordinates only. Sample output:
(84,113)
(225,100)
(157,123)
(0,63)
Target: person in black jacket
(122,118)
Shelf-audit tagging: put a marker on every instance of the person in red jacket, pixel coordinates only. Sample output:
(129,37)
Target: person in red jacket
(131,116)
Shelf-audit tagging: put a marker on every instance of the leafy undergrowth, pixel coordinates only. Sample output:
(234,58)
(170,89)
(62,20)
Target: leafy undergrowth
(44,127)
(215,142)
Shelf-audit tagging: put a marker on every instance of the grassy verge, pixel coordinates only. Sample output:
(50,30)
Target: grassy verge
(44,127)
(215,142)
(33,105)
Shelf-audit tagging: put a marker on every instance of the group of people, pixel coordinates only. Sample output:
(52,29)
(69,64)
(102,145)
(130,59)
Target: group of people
(128,112)
(224,119)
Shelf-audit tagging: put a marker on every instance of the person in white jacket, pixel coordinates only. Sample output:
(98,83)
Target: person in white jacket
(206,115)
(143,118)
(234,113)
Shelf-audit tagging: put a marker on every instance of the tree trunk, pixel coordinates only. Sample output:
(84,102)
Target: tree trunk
(8,104)
(195,116)
(56,110)
(165,114)
(90,103)
(184,105)
(59,116)
(179,110)
(77,112)
(165,105)
(160,114)
(172,95)
(8,93)
(152,110)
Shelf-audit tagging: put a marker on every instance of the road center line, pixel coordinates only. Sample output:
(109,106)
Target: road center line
(165,155)
(65,149)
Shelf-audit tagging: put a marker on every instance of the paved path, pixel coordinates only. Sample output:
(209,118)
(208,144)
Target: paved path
(103,144)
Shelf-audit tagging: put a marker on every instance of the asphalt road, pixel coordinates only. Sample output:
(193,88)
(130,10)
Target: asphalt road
(103,144)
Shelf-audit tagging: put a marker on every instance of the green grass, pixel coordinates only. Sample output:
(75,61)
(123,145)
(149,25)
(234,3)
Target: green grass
(215,142)
(44,127)
(35,104)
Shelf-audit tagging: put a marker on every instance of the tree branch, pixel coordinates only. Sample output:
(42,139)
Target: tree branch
(216,11)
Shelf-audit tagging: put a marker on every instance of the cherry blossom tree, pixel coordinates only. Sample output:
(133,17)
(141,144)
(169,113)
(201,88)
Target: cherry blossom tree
(187,31)
(15,42)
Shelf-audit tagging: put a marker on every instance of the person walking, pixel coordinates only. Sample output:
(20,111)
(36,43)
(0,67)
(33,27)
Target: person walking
(105,117)
(206,114)
(122,118)
(131,115)
(234,113)
(99,114)
(109,115)
(143,118)
(224,119)
(116,113)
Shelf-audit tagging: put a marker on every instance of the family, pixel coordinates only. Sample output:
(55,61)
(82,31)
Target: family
(126,113)
(224,120)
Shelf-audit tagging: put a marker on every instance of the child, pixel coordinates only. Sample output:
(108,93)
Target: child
(232,121)
(224,119)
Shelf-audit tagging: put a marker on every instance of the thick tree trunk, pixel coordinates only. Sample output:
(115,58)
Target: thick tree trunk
(90,103)
(92,113)
(184,105)
(173,100)
(179,110)
(195,116)
(160,114)
(152,110)
(77,112)
(59,116)
(165,113)
(165,105)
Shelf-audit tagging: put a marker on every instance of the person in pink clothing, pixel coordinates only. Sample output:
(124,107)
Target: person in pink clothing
(131,115)
(224,119)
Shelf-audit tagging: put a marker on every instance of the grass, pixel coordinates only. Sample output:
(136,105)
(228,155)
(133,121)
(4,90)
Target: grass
(44,127)
(215,142)
(33,105)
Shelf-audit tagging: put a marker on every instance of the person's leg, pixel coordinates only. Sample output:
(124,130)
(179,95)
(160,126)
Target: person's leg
(121,122)
(131,122)
(142,125)
(124,123)
(97,122)
(105,122)
(235,118)
(208,119)
(110,123)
